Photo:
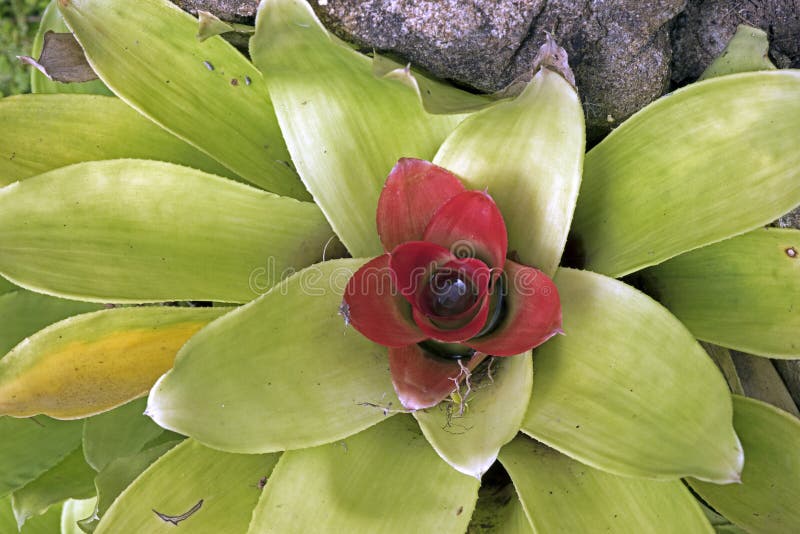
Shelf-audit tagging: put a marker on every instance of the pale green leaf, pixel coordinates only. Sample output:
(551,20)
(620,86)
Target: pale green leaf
(71,478)
(227,484)
(766,500)
(469,438)
(436,96)
(115,477)
(747,51)
(47,523)
(742,293)
(498,511)
(628,389)
(295,375)
(760,380)
(144,231)
(93,362)
(205,93)
(722,358)
(720,524)
(562,495)
(73,511)
(209,25)
(385,479)
(528,154)
(37,445)
(6,286)
(707,162)
(52,21)
(44,132)
(123,431)
(345,129)
(23,313)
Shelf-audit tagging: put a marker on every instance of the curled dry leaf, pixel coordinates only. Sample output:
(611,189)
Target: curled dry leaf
(62,59)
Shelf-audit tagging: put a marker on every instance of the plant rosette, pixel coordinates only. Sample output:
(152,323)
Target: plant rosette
(444,292)
(373,391)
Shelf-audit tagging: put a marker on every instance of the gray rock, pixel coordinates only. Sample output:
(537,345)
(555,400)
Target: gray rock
(701,32)
(620,51)
(241,11)
(625,53)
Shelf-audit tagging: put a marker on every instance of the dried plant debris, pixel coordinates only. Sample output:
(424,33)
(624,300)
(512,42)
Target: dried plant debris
(62,59)
(175,519)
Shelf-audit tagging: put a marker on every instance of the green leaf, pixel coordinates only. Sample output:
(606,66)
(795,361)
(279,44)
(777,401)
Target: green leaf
(94,362)
(23,313)
(44,132)
(52,21)
(344,128)
(742,293)
(498,511)
(766,500)
(760,380)
(71,478)
(295,375)
(145,231)
(385,479)
(492,415)
(528,153)
(628,389)
(436,96)
(73,511)
(747,51)
(39,444)
(47,523)
(720,524)
(707,162)
(562,495)
(724,362)
(226,483)
(123,431)
(6,287)
(150,57)
(115,477)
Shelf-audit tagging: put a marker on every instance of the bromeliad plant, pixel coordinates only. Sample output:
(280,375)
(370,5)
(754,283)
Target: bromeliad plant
(294,407)
(444,291)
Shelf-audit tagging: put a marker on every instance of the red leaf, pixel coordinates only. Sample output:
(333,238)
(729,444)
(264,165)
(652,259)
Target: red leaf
(414,190)
(532,313)
(413,263)
(470,225)
(376,309)
(422,380)
(465,323)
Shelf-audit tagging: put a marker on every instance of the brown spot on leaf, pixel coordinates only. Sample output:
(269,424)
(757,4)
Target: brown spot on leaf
(234,82)
(791,252)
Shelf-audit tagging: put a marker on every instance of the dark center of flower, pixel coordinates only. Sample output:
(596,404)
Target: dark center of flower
(449,293)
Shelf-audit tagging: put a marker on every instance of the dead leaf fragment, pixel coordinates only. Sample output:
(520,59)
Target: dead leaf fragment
(62,59)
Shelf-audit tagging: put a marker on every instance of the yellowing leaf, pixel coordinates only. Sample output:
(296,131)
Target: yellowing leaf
(91,363)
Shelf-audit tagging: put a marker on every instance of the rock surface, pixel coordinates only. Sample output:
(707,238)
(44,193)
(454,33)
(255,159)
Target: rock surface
(620,51)
(241,11)
(701,32)
(624,53)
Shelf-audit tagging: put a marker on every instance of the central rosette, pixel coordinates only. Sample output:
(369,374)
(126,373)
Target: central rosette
(445,290)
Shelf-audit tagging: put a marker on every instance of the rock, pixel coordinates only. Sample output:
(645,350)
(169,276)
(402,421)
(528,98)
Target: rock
(620,51)
(790,220)
(625,53)
(241,11)
(703,30)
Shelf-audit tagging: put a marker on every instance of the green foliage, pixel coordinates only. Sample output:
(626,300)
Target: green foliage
(18,22)
(293,420)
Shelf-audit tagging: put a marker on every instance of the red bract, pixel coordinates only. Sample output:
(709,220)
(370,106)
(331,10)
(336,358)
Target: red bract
(445,291)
